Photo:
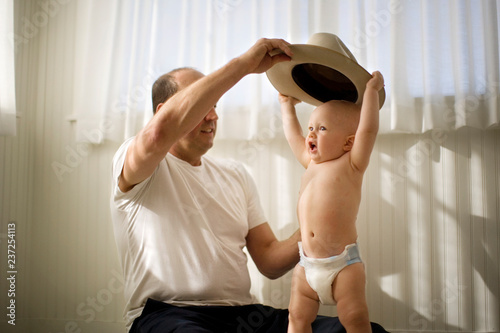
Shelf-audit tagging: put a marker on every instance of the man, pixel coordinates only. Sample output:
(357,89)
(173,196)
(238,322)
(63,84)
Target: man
(182,219)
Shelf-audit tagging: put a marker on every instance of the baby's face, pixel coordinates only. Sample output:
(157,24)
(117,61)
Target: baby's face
(326,134)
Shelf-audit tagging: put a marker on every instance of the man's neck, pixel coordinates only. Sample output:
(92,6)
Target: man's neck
(193,160)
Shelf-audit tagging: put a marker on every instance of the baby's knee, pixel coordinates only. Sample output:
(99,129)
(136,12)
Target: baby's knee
(294,314)
(354,317)
(297,322)
(297,314)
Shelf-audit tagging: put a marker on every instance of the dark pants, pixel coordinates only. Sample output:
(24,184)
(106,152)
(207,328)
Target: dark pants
(159,317)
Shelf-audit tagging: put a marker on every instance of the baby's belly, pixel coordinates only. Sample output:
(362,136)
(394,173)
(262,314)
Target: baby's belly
(326,232)
(323,241)
(327,216)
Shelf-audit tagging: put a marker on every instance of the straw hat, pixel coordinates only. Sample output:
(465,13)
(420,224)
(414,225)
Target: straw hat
(322,70)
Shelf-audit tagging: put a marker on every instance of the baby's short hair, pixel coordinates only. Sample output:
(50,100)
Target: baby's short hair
(346,112)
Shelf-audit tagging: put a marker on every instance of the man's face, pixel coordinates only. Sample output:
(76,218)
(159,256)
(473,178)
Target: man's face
(197,142)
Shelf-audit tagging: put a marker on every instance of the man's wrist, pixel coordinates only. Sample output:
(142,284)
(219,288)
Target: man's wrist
(240,66)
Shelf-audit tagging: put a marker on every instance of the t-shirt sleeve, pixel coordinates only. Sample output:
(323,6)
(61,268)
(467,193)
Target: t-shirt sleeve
(120,198)
(256,214)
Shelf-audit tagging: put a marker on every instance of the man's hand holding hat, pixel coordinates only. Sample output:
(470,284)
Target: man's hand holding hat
(260,57)
(322,70)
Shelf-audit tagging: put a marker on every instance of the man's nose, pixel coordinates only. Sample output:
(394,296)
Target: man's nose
(211,115)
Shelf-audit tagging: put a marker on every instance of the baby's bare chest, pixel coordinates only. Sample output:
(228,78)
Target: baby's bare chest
(327,190)
(325,177)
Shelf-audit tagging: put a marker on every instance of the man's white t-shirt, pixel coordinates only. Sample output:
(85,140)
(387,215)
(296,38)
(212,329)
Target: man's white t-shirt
(180,233)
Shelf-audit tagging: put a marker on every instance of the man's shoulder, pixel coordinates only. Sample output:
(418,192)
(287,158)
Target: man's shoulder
(122,149)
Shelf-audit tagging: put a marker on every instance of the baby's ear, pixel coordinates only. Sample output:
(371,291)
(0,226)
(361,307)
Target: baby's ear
(349,142)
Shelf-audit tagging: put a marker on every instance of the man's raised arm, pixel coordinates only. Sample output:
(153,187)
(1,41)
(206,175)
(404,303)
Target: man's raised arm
(186,109)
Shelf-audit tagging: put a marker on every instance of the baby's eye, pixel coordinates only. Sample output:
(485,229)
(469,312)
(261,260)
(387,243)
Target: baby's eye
(311,129)
(322,128)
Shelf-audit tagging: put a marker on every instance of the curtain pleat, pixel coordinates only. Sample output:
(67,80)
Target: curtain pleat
(9,42)
(440,59)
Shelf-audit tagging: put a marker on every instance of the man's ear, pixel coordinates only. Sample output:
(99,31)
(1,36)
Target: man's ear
(349,142)
(158,107)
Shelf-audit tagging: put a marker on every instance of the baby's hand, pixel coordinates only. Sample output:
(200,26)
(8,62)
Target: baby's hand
(287,99)
(376,82)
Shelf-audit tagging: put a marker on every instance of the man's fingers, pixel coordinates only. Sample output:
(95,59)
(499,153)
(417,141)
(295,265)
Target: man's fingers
(282,45)
(266,53)
(279,58)
(275,46)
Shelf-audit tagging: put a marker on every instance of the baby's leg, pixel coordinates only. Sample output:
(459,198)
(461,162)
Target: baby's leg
(349,293)
(304,303)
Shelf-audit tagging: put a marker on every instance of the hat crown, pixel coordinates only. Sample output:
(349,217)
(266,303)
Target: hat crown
(321,70)
(332,42)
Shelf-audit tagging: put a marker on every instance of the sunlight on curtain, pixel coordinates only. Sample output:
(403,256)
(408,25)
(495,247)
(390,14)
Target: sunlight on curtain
(440,59)
(7,77)
(444,65)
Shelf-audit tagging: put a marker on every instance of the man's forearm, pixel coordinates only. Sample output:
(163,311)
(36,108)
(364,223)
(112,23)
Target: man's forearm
(273,258)
(283,256)
(187,108)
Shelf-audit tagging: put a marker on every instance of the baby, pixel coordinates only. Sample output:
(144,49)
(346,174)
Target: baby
(335,153)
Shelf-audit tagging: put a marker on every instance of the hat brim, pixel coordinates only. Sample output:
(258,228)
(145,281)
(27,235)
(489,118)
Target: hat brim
(317,74)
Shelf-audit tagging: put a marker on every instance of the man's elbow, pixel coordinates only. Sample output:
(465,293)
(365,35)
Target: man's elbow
(156,140)
(272,274)
(273,271)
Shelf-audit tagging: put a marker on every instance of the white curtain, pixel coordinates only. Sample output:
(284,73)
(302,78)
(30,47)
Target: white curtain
(440,59)
(444,69)
(8,44)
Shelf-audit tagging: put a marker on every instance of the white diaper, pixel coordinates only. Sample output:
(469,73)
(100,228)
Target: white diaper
(320,272)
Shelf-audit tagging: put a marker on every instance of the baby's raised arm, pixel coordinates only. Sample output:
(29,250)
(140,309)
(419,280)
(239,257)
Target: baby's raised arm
(293,130)
(368,124)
